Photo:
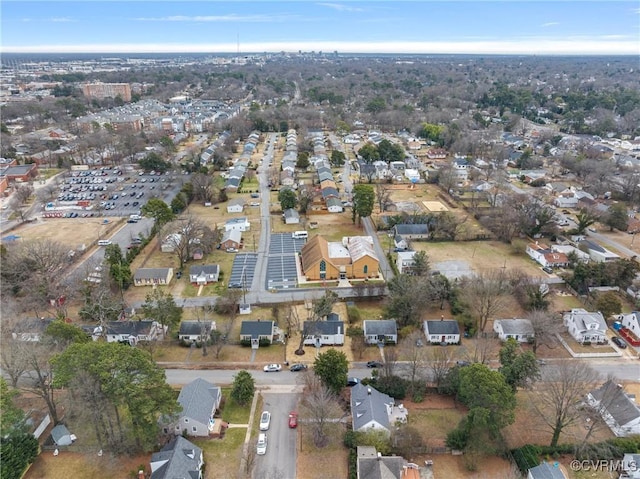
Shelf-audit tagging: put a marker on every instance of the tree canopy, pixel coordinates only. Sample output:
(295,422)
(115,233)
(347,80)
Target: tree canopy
(160,306)
(243,387)
(332,368)
(518,368)
(287,198)
(158,210)
(363,201)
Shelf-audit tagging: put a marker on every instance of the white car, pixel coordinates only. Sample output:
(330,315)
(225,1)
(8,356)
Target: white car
(261,449)
(272,368)
(265,420)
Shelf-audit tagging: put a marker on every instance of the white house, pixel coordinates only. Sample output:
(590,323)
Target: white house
(291,216)
(546,471)
(204,274)
(412,174)
(598,253)
(131,332)
(383,331)
(404,261)
(171,242)
(199,400)
(586,326)
(236,205)
(546,257)
(566,201)
(195,331)
(323,333)
(568,249)
(519,329)
(461,169)
(442,331)
(238,224)
(631,466)
(618,409)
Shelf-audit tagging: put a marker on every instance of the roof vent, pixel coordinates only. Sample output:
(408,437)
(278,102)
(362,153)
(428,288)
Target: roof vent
(369,391)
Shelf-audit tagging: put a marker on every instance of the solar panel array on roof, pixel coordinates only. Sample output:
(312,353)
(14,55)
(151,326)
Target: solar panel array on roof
(281,265)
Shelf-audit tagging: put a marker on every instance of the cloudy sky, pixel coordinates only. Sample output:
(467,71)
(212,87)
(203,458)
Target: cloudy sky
(420,26)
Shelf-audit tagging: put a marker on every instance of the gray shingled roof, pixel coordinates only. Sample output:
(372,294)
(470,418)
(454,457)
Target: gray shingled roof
(516,326)
(380,326)
(256,328)
(367,407)
(448,326)
(616,402)
(181,456)
(193,328)
(546,471)
(198,400)
(206,269)
(325,328)
(132,328)
(151,273)
(411,229)
(370,466)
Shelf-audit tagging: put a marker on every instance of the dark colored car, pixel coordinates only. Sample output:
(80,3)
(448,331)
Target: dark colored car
(374,364)
(619,342)
(352,381)
(298,367)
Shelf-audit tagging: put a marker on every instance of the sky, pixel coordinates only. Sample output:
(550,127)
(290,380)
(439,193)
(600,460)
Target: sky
(543,27)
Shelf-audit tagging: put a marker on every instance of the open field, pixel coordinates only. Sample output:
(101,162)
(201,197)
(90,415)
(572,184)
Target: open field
(71,232)
(74,464)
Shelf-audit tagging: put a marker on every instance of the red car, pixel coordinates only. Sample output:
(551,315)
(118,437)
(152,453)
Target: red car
(293,420)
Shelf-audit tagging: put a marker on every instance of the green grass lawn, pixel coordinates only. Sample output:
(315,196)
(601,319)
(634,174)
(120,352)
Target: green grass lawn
(435,423)
(233,412)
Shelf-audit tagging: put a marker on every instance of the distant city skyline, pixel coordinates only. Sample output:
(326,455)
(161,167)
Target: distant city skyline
(543,27)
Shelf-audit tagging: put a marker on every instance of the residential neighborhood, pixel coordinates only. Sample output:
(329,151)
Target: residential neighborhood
(241,267)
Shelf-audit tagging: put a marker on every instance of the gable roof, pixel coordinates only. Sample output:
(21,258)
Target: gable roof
(256,328)
(546,471)
(207,269)
(617,403)
(233,235)
(380,326)
(198,400)
(372,466)
(180,458)
(368,404)
(411,229)
(151,273)
(360,246)
(324,328)
(193,328)
(237,221)
(516,326)
(447,326)
(132,328)
(291,213)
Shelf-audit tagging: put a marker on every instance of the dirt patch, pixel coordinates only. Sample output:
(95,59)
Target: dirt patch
(72,464)
(446,466)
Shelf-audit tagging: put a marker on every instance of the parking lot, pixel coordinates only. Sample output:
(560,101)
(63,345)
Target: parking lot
(242,271)
(110,192)
(281,264)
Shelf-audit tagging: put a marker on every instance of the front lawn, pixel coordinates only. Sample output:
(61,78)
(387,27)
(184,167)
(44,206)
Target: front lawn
(222,456)
(232,412)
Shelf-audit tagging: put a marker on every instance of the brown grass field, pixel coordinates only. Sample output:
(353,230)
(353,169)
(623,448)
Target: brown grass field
(76,465)
(326,463)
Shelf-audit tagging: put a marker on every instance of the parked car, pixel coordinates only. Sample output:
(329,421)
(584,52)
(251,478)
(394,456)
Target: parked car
(352,381)
(298,367)
(619,342)
(272,368)
(261,448)
(374,364)
(547,269)
(293,420)
(265,420)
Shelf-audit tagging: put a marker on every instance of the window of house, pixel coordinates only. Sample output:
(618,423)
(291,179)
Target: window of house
(366,268)
(323,265)
(194,429)
(186,420)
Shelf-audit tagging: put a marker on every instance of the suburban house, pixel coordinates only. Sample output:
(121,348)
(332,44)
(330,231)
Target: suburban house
(236,205)
(30,329)
(631,466)
(585,326)
(171,242)
(179,458)
(202,275)
(373,465)
(618,409)
(286,177)
(354,258)
(519,329)
(195,331)
(131,332)
(380,331)
(404,262)
(334,205)
(461,168)
(239,224)
(567,249)
(152,276)
(411,231)
(255,331)
(199,400)
(546,257)
(323,333)
(231,239)
(569,201)
(442,331)
(546,470)
(372,410)
(291,216)
(596,252)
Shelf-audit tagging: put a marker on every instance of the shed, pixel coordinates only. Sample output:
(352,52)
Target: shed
(61,435)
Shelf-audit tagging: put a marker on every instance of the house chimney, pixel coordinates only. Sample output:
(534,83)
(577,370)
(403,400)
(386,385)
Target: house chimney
(141,474)
(379,456)
(369,391)
(442,317)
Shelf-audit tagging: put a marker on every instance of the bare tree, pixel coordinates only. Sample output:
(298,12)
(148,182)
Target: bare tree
(186,234)
(319,407)
(14,357)
(390,362)
(383,196)
(486,294)
(203,189)
(546,326)
(23,192)
(440,359)
(557,399)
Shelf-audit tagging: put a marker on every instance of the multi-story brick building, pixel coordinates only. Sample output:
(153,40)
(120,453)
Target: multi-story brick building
(101,90)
